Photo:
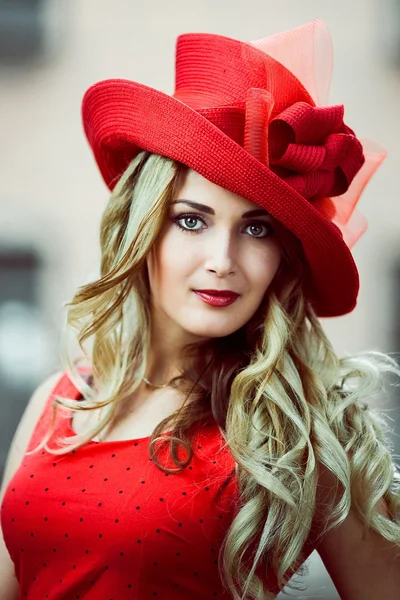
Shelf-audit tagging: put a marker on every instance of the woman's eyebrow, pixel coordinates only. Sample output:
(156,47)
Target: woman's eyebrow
(258,212)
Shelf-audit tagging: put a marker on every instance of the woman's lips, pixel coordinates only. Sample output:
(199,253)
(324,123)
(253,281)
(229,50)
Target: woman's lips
(217,300)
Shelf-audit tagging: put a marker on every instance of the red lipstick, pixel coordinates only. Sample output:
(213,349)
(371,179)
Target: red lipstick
(218,298)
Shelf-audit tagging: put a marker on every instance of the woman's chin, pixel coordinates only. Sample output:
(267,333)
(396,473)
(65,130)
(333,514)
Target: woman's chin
(213,330)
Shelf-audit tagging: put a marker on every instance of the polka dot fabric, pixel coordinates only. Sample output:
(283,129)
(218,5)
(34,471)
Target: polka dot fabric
(104,522)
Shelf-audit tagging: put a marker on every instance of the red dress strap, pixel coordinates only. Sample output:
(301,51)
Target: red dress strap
(65,388)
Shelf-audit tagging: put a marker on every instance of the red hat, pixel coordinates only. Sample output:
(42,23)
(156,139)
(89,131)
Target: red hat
(250,117)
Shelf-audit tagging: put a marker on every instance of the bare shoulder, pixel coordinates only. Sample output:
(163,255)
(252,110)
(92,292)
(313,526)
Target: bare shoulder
(26,426)
(9,588)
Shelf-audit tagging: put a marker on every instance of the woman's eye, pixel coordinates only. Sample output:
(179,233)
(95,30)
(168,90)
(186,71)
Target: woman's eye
(260,230)
(188,222)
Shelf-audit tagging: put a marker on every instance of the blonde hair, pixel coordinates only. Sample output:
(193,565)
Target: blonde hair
(286,404)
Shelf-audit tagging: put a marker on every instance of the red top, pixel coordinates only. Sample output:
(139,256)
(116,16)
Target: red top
(104,522)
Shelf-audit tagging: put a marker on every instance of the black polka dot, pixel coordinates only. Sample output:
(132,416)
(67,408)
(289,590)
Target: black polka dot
(117,520)
(178,554)
(45,519)
(139,541)
(161,499)
(91,467)
(45,564)
(74,566)
(112,455)
(81,519)
(207,489)
(201,520)
(138,508)
(66,534)
(105,479)
(142,482)
(129,585)
(128,468)
(121,554)
(100,504)
(69,477)
(31,476)
(195,573)
(121,491)
(46,489)
(32,535)
(22,550)
(27,503)
(87,551)
(84,490)
(180,524)
(54,550)
(100,535)
(157,531)
(155,564)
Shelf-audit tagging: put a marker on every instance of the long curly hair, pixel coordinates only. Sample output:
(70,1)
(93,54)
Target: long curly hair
(285,403)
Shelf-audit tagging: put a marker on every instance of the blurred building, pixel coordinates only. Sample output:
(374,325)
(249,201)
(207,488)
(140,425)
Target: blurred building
(52,196)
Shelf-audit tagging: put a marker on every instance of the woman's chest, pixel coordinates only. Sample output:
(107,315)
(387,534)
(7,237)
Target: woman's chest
(114,495)
(110,513)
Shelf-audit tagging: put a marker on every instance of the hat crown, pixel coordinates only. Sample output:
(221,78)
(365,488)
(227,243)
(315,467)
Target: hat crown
(213,70)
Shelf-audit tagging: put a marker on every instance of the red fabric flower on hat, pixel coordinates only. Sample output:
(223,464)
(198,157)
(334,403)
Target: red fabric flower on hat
(313,150)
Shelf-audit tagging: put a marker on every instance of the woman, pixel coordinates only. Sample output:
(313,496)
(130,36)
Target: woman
(212,439)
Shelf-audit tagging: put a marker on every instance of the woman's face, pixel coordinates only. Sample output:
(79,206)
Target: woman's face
(208,243)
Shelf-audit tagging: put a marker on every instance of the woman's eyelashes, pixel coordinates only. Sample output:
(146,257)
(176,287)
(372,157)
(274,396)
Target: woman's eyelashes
(262,229)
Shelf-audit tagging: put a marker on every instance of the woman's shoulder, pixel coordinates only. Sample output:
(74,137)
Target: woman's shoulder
(34,409)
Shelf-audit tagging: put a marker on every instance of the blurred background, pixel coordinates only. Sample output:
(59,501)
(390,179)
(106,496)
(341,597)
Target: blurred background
(52,196)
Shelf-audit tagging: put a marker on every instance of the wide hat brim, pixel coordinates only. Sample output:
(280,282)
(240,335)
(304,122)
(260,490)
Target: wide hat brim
(122,117)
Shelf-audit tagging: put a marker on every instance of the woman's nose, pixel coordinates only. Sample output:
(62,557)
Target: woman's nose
(221,255)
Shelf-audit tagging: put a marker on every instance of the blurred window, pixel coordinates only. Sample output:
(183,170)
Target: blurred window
(22,343)
(22,30)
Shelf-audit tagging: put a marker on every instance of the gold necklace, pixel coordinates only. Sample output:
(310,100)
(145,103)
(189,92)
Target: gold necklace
(164,385)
